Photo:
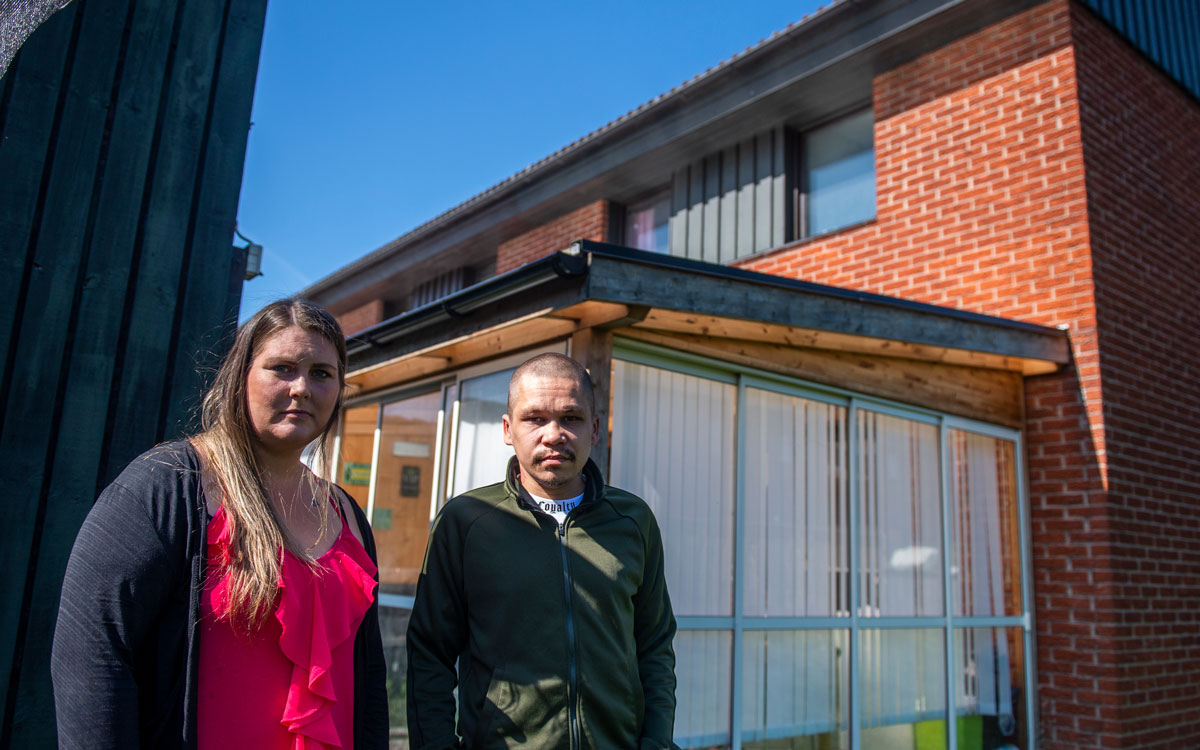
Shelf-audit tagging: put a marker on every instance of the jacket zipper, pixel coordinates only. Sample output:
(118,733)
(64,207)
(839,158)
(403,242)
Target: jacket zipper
(572,671)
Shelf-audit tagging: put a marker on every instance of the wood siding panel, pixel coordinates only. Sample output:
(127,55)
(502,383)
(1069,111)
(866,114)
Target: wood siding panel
(779,213)
(78,452)
(679,213)
(764,182)
(745,198)
(164,243)
(203,326)
(31,99)
(121,156)
(729,199)
(43,327)
(712,209)
(695,203)
(732,203)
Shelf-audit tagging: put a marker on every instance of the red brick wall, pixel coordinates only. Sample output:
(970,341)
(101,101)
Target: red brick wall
(1141,148)
(982,205)
(361,318)
(588,223)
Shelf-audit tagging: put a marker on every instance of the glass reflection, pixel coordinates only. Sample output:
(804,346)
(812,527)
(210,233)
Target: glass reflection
(840,173)
(393,622)
(358,445)
(404,485)
(902,674)
(481,456)
(797,539)
(703,664)
(673,445)
(900,517)
(983,501)
(795,690)
(989,695)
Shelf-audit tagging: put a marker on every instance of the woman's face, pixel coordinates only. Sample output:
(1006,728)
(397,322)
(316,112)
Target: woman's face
(291,389)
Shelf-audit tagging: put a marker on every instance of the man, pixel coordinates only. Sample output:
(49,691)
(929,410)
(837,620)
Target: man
(548,591)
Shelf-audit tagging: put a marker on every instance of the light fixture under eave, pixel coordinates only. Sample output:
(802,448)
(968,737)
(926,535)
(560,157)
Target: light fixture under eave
(254,253)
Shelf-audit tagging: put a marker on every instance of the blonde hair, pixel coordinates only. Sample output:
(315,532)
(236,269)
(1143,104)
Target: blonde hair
(257,535)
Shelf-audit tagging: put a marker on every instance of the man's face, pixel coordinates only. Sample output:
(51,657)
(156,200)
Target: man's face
(552,429)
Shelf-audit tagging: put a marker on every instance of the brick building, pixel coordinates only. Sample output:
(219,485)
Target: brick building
(939,256)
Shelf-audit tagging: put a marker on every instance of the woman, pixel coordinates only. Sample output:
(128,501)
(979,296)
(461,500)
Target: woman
(219,594)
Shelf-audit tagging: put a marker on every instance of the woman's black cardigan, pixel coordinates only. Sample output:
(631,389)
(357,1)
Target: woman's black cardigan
(126,647)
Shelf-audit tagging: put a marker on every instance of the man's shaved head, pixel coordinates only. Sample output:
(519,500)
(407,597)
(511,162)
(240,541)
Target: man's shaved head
(552,365)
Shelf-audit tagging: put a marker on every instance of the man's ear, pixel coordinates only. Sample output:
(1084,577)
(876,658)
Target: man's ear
(506,423)
(595,429)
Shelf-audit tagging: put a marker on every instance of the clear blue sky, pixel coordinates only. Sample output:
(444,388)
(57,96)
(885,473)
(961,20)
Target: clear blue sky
(373,116)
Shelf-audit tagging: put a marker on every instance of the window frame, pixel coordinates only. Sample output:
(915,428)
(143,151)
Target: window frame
(948,624)
(648,200)
(799,173)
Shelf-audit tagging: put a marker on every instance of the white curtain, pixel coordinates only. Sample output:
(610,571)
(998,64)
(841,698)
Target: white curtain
(480,455)
(983,504)
(797,540)
(673,445)
(703,687)
(795,683)
(900,517)
(903,676)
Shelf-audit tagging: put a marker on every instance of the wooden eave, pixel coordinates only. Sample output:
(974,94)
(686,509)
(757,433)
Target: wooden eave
(723,311)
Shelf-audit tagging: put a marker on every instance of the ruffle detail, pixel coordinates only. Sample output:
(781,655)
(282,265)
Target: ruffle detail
(318,611)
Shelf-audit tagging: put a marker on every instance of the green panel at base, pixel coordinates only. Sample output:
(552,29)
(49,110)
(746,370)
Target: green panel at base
(931,735)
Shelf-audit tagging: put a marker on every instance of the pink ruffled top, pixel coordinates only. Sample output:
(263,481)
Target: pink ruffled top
(290,685)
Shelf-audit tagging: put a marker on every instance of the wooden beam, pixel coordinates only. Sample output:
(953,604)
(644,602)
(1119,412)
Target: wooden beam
(989,395)
(593,348)
(694,290)
(670,321)
(504,338)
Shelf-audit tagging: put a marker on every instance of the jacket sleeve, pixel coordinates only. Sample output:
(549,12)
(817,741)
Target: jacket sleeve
(120,573)
(372,724)
(437,632)
(654,631)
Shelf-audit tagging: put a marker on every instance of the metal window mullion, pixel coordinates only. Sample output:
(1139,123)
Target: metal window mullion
(374,462)
(947,587)
(335,458)
(739,553)
(693,622)
(452,448)
(852,564)
(439,456)
(1025,549)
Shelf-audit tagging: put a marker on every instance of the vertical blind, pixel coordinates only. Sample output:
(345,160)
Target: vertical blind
(804,460)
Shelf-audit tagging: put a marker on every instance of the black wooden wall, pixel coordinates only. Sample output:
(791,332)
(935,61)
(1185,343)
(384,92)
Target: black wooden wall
(123,127)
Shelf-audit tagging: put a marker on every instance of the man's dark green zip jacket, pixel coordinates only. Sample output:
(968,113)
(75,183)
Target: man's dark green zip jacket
(562,634)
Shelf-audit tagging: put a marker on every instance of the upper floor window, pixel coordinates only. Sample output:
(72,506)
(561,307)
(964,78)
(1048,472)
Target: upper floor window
(647,222)
(839,174)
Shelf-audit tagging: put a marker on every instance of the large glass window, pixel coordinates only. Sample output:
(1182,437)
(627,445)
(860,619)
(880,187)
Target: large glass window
(840,566)
(983,497)
(900,517)
(400,456)
(839,173)
(797,539)
(481,455)
(403,489)
(796,691)
(390,458)
(647,223)
(682,464)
